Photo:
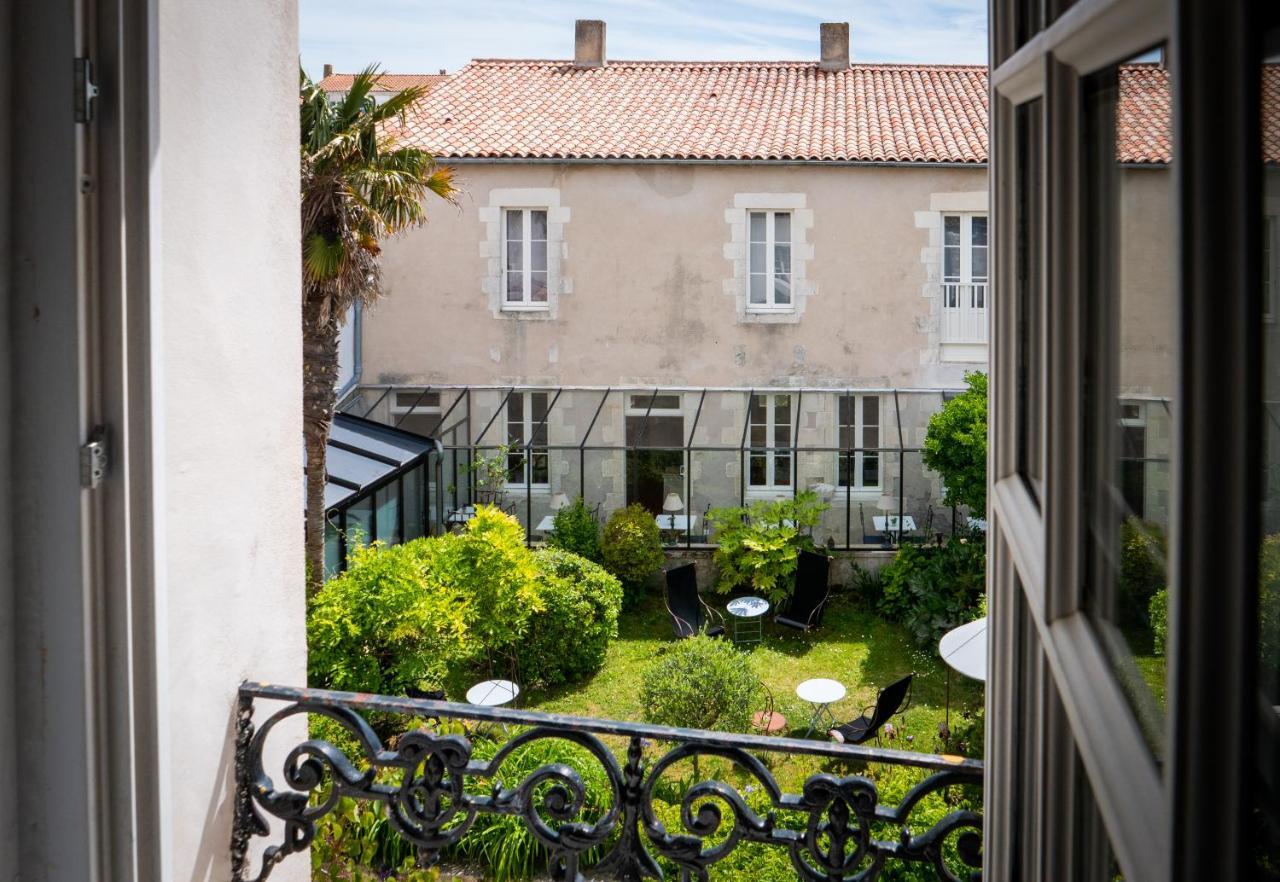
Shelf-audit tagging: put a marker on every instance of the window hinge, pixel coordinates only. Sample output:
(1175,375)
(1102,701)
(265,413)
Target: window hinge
(93,459)
(86,91)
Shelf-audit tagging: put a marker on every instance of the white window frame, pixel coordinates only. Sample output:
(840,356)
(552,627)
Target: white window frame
(643,409)
(527,425)
(859,428)
(965,298)
(526,303)
(771,425)
(769,271)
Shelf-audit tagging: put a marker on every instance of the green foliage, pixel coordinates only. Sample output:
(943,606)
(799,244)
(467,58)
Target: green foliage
(569,638)
(1158,612)
(1269,603)
(575,529)
(489,474)
(503,844)
(703,683)
(955,445)
(356,843)
(632,549)
(758,547)
(1143,552)
(439,609)
(933,588)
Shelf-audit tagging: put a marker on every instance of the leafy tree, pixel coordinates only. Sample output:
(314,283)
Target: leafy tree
(358,188)
(758,548)
(955,445)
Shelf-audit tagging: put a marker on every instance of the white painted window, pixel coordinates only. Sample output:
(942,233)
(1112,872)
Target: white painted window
(526,424)
(524,258)
(964,278)
(1270,266)
(769,439)
(859,424)
(769,261)
(415,410)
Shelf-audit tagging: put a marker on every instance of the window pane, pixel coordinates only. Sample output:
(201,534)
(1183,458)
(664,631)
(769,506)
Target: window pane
(538,255)
(951,230)
(757,288)
(951,263)
(759,436)
(870,470)
(845,405)
(782,226)
(387,501)
(782,470)
(978,230)
(782,409)
(871,410)
(515,257)
(759,263)
(538,225)
(538,283)
(515,287)
(538,401)
(515,407)
(782,289)
(756,477)
(979,261)
(1029,349)
(541,471)
(758,230)
(515,225)
(1131,329)
(758,414)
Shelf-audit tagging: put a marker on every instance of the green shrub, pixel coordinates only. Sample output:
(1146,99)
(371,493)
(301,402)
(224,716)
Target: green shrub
(932,589)
(1143,552)
(356,843)
(575,529)
(703,683)
(758,547)
(569,638)
(1158,612)
(955,445)
(632,549)
(439,611)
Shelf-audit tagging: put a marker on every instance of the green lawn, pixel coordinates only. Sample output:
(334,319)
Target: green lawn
(853,646)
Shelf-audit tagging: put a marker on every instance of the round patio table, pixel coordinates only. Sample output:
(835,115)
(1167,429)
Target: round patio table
(821,693)
(748,618)
(492,693)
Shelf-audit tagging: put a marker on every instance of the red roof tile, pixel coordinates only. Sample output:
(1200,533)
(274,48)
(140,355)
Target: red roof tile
(387,82)
(756,110)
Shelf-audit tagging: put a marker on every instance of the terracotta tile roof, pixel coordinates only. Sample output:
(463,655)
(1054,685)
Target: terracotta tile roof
(387,82)
(706,110)
(743,110)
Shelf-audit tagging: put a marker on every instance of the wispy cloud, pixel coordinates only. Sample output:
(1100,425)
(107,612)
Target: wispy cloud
(424,35)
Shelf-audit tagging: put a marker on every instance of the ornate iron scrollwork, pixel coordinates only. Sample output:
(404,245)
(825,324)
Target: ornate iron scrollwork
(430,805)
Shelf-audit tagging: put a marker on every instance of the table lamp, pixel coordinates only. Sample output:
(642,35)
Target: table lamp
(671,505)
(559,500)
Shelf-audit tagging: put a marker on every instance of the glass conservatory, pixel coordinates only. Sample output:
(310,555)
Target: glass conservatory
(383,484)
(680,452)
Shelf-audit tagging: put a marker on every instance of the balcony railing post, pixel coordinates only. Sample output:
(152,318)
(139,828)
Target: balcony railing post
(242,825)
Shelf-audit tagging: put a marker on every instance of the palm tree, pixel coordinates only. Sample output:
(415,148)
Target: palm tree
(358,187)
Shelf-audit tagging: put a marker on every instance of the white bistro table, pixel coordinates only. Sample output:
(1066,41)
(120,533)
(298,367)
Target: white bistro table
(821,693)
(748,618)
(492,693)
(682,523)
(546,525)
(889,523)
(964,649)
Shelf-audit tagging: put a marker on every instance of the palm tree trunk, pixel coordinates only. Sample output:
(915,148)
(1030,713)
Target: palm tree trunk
(319,395)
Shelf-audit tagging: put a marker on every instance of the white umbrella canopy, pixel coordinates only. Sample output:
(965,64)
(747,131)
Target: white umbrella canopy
(964,649)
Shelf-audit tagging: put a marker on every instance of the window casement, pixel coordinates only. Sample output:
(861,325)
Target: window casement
(769,460)
(527,426)
(524,258)
(964,278)
(859,431)
(415,410)
(769,262)
(1270,265)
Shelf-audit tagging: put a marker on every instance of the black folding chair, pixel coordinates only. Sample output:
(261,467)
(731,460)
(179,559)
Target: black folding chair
(804,612)
(689,615)
(893,699)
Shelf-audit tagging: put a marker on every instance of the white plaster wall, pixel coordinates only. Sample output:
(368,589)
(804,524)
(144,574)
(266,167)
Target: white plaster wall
(227,401)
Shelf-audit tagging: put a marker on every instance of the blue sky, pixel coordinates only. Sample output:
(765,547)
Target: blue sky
(421,36)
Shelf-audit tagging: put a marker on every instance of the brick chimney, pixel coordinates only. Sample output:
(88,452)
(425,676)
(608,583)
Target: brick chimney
(835,45)
(328,70)
(588,43)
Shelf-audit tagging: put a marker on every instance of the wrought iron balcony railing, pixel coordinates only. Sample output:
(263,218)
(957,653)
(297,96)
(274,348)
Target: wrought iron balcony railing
(422,785)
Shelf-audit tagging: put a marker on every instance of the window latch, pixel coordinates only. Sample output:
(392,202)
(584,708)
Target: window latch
(93,459)
(86,91)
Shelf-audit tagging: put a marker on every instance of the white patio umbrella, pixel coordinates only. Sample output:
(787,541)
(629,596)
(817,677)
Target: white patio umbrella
(965,649)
